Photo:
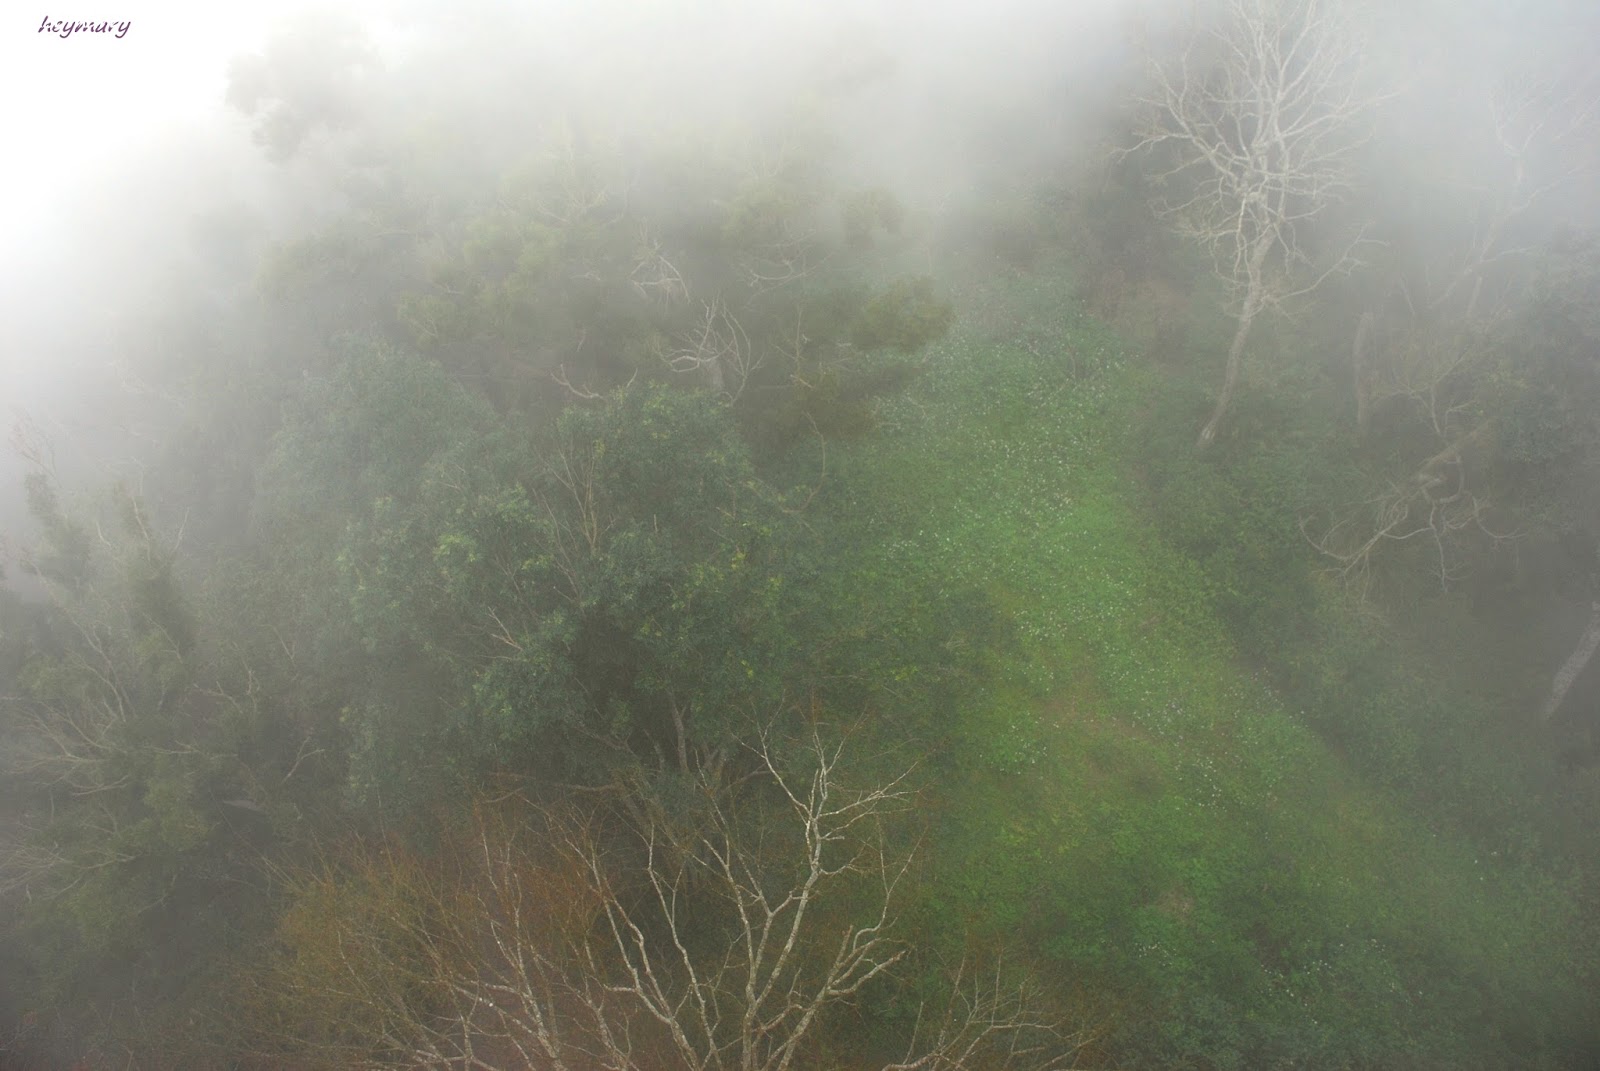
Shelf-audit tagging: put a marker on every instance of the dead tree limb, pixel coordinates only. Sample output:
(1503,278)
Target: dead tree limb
(1573,667)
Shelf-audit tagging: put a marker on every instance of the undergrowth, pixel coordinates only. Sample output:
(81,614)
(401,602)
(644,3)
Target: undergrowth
(1123,798)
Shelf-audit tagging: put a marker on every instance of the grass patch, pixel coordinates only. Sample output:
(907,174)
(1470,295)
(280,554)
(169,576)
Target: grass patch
(1120,796)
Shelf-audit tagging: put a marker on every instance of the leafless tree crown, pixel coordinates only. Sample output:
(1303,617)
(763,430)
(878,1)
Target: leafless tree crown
(1251,129)
(1254,123)
(718,942)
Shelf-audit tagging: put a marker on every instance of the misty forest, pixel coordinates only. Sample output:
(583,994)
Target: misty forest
(732,537)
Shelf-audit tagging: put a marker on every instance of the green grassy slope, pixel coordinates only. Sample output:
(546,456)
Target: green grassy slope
(1122,798)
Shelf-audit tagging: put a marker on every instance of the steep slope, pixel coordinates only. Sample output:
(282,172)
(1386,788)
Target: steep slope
(1121,798)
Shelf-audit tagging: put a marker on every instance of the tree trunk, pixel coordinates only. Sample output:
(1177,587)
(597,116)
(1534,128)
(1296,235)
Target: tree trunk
(1254,299)
(1588,643)
(1358,361)
(1230,378)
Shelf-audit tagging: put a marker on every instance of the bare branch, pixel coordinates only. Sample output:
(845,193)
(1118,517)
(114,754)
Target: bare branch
(1252,128)
(1432,506)
(719,941)
(718,348)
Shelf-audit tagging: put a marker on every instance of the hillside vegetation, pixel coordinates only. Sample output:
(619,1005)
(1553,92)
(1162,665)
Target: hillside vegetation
(581,588)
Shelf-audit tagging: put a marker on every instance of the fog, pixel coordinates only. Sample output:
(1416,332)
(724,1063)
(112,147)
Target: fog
(125,145)
(314,316)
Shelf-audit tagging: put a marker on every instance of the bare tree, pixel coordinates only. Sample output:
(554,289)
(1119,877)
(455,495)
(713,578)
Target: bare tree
(752,1004)
(1535,134)
(1433,348)
(1252,128)
(1543,128)
(720,940)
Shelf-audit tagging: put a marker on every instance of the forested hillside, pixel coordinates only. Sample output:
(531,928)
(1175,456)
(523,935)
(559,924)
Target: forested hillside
(606,561)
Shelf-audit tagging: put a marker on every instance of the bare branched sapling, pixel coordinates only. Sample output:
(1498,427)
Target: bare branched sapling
(1251,130)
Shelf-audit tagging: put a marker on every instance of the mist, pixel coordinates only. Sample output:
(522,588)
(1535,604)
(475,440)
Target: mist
(472,465)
